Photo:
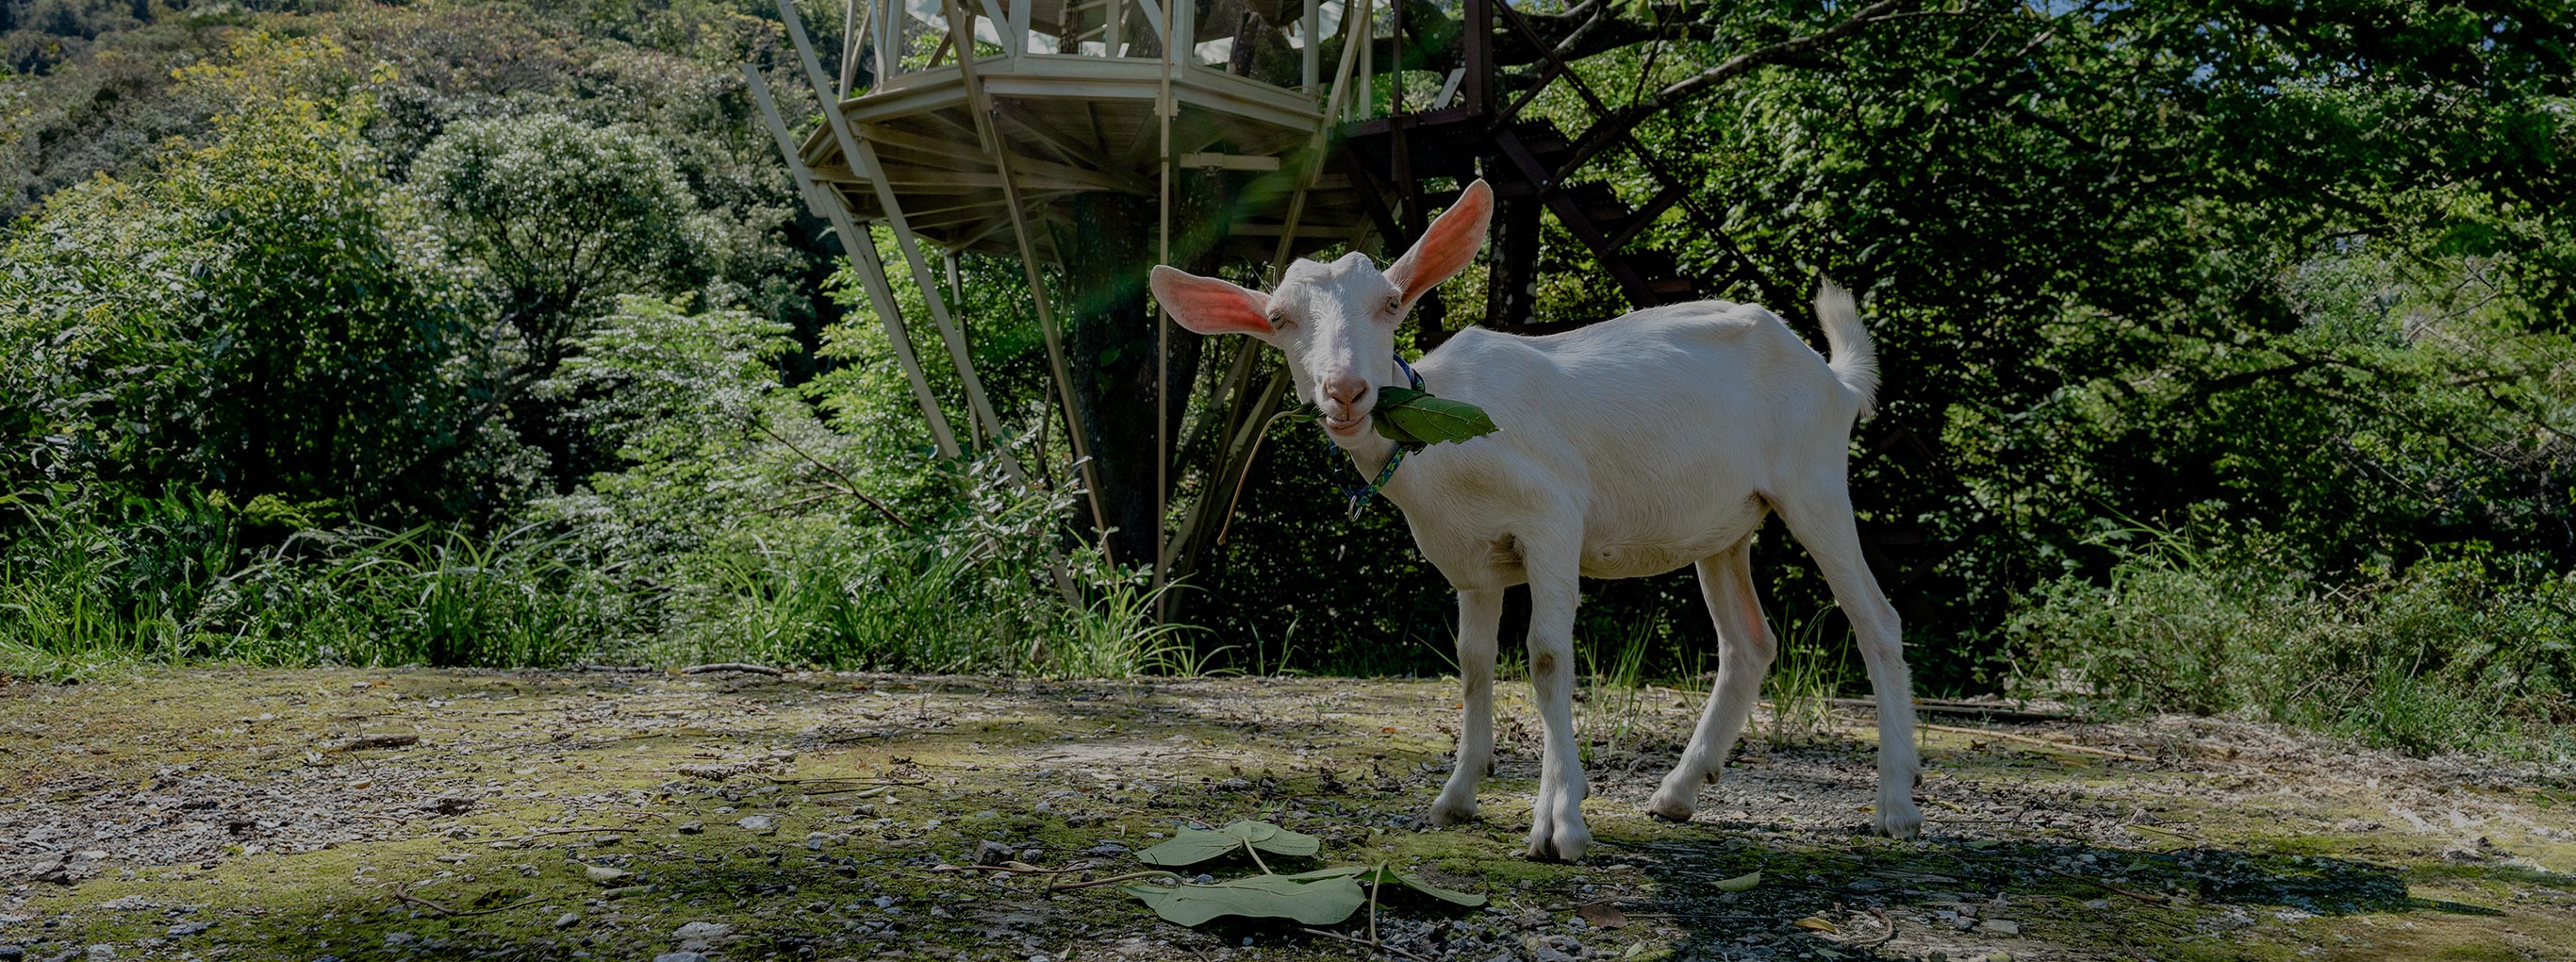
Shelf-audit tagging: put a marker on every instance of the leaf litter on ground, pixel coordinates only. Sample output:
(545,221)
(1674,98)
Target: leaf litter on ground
(1319,897)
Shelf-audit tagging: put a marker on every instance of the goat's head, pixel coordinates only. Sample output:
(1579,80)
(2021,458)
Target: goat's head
(1336,322)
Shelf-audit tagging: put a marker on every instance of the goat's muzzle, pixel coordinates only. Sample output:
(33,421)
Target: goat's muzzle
(1345,403)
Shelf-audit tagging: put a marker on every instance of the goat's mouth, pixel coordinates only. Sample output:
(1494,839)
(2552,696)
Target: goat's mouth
(1345,427)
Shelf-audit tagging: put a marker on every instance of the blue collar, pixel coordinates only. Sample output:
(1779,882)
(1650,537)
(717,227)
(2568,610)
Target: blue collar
(1361,494)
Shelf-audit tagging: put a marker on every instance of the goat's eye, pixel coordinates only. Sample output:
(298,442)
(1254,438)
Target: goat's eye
(1394,304)
(1280,319)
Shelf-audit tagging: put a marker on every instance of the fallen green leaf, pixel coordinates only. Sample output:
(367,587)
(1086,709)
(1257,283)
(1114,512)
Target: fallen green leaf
(1273,839)
(1321,902)
(1190,846)
(1740,883)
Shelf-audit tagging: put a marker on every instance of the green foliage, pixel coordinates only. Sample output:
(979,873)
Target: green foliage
(267,315)
(559,209)
(2476,651)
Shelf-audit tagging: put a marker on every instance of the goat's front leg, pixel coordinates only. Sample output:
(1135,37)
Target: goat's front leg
(1480,616)
(1556,816)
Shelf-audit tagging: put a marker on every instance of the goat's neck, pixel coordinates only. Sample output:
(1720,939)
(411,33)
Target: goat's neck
(1370,453)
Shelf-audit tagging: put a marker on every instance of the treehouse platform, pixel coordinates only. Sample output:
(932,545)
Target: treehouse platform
(1074,94)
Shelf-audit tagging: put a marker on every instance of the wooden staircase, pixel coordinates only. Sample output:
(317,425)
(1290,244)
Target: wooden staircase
(1532,152)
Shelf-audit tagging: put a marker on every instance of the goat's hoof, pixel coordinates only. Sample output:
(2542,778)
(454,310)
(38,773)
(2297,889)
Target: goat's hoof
(1564,844)
(1900,821)
(1676,799)
(1558,835)
(1445,813)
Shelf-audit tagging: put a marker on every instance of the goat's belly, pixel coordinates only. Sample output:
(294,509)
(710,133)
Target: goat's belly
(1642,559)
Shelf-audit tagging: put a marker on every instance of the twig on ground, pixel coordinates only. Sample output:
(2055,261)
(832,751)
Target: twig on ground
(541,832)
(403,893)
(1934,706)
(1371,943)
(2068,746)
(372,740)
(1022,868)
(612,669)
(1883,937)
(852,780)
(1377,880)
(744,667)
(1112,880)
(2105,886)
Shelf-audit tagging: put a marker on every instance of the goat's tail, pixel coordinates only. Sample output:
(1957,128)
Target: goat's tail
(1855,358)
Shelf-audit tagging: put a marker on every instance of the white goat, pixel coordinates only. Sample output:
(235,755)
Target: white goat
(1628,448)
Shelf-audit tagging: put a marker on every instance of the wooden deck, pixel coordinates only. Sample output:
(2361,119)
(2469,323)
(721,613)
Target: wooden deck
(1079,124)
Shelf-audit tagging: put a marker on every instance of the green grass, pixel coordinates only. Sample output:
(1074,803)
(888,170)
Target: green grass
(169,585)
(2469,653)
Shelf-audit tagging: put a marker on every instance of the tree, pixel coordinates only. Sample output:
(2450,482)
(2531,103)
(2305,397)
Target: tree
(561,213)
(266,316)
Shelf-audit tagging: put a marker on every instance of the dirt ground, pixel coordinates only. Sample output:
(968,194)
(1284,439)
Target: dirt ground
(413,814)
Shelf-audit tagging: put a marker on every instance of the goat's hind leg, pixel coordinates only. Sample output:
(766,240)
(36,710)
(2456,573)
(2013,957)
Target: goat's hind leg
(1480,615)
(1821,517)
(1745,650)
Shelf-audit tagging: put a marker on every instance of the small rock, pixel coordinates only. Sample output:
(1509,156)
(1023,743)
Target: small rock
(679,957)
(11,953)
(701,935)
(885,901)
(1106,848)
(567,920)
(759,824)
(190,928)
(102,951)
(451,805)
(816,840)
(605,874)
(1999,927)
(691,828)
(990,852)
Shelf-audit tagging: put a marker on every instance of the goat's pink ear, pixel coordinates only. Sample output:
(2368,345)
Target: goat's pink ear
(1448,247)
(1210,306)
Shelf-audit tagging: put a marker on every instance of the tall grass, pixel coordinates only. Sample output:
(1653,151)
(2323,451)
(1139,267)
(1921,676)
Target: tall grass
(1804,678)
(166,583)
(1616,681)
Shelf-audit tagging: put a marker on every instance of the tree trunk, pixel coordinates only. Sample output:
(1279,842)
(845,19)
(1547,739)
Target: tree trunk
(1106,249)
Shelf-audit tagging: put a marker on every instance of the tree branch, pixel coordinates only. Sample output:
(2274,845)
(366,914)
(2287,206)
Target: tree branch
(1784,50)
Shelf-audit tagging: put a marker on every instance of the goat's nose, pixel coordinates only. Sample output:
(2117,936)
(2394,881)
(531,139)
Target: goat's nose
(1346,389)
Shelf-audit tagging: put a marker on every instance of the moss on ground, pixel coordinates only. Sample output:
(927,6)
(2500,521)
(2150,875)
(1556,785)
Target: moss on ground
(366,814)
